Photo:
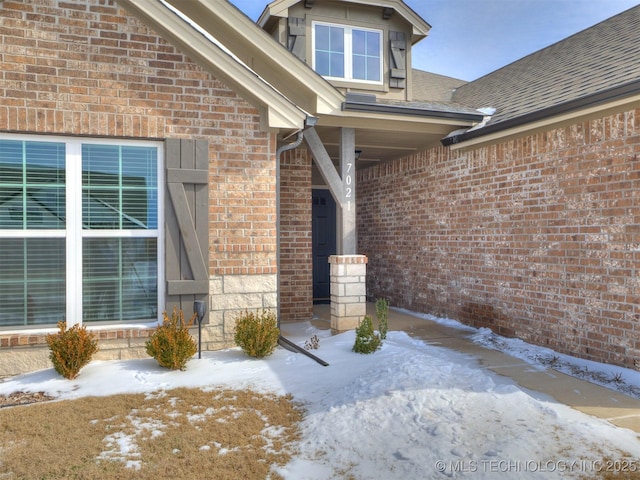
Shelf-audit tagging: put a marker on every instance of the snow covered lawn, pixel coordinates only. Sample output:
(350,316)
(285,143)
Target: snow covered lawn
(410,411)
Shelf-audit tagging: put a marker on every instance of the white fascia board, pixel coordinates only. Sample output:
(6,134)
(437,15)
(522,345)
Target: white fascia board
(549,123)
(243,33)
(218,60)
(280,8)
(391,122)
(277,8)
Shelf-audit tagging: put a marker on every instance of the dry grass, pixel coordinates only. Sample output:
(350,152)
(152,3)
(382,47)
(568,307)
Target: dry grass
(178,434)
(625,467)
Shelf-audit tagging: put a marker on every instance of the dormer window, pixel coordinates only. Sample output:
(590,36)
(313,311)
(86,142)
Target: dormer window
(347,53)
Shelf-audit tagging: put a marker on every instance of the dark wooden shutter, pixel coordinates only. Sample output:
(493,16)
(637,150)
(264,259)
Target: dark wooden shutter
(397,60)
(186,223)
(297,32)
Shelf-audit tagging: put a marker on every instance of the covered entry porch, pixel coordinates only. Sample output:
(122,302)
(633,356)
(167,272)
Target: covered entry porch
(319,204)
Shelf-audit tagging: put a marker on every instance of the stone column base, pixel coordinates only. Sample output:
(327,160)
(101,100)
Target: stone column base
(348,291)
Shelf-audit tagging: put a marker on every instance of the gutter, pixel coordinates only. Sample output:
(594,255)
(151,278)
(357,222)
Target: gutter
(599,98)
(282,341)
(369,107)
(358,102)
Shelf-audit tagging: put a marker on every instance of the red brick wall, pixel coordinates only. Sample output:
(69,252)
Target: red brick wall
(88,68)
(85,67)
(242,202)
(296,263)
(537,237)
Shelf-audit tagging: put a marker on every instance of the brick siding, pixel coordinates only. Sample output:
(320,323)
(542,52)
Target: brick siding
(88,68)
(537,237)
(296,262)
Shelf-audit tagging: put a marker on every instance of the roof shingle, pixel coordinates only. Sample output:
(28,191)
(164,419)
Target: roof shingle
(594,60)
(431,87)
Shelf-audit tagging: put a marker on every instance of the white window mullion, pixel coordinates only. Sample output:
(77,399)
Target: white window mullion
(74,233)
(348,54)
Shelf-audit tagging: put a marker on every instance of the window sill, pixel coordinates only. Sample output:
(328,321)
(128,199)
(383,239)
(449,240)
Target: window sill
(351,84)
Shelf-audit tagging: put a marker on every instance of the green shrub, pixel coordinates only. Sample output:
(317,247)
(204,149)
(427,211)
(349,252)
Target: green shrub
(382,313)
(71,349)
(257,333)
(171,344)
(367,341)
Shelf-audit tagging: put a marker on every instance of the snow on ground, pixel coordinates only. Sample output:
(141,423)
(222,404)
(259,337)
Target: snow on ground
(616,378)
(410,410)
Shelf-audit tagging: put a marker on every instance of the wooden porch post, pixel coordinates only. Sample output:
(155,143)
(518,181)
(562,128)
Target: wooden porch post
(348,270)
(347,242)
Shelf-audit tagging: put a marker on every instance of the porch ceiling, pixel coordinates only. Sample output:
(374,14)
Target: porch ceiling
(384,139)
(376,145)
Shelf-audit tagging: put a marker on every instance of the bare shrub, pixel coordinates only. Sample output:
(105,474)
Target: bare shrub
(171,344)
(257,333)
(71,349)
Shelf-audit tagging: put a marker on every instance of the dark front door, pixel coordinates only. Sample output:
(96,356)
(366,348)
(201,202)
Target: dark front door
(324,242)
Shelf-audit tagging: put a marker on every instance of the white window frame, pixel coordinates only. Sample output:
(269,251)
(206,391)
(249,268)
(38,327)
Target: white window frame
(348,51)
(74,235)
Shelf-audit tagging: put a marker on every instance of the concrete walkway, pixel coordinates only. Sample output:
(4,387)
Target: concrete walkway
(619,409)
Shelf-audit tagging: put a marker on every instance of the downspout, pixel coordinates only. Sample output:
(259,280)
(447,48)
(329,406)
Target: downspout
(282,341)
(279,152)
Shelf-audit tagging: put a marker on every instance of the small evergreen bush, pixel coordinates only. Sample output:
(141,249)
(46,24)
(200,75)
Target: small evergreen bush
(71,349)
(382,313)
(171,344)
(257,333)
(367,341)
